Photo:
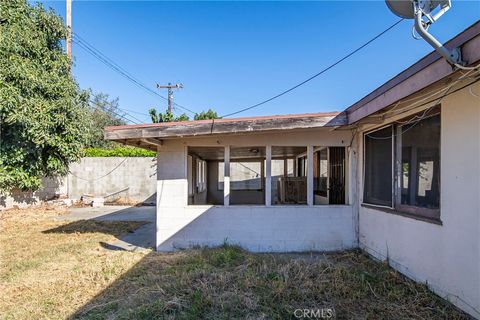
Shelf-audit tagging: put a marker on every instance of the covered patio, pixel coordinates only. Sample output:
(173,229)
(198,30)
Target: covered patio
(277,183)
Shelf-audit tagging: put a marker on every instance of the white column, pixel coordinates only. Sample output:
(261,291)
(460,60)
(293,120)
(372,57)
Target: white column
(268,176)
(226,177)
(310,175)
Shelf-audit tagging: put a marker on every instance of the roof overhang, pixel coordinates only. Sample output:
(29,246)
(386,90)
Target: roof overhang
(150,135)
(427,71)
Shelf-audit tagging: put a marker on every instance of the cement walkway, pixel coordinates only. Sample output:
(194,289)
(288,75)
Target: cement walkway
(140,239)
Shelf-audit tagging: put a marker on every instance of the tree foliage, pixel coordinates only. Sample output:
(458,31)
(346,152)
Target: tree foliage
(167,116)
(205,115)
(103,112)
(43,113)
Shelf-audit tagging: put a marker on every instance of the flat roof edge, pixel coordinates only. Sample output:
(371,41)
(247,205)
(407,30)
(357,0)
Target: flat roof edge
(232,126)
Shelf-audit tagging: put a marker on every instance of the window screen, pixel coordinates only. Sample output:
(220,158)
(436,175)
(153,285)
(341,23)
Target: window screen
(420,176)
(378,167)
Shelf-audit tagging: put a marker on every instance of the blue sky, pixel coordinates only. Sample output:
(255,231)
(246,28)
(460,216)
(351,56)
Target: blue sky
(230,55)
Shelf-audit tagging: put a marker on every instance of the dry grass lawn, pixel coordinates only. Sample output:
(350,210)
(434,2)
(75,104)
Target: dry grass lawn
(58,270)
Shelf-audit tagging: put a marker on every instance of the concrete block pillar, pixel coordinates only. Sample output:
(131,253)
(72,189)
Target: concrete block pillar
(310,175)
(268,176)
(172,187)
(226,177)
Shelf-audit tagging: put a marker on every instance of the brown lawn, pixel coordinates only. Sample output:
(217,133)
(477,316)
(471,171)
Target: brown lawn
(58,270)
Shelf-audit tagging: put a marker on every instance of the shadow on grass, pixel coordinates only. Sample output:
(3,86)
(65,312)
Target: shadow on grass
(115,228)
(131,235)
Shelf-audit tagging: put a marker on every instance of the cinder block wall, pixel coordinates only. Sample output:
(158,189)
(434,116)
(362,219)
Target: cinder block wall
(96,176)
(23,199)
(102,176)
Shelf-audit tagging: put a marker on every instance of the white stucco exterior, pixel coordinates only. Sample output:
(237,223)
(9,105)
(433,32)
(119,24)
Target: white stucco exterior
(446,256)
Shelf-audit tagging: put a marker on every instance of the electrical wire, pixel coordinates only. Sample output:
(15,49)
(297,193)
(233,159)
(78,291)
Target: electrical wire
(459,66)
(425,114)
(473,93)
(94,105)
(100,177)
(317,74)
(77,39)
(427,96)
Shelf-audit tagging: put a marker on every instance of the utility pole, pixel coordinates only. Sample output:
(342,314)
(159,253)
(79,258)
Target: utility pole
(69,29)
(170,88)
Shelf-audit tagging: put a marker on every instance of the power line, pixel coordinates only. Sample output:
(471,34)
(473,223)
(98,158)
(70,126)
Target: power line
(95,105)
(139,113)
(317,74)
(116,67)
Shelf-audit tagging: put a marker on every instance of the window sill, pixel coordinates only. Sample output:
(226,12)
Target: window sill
(403,214)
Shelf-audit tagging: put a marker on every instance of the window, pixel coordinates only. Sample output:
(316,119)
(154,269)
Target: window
(289,181)
(320,172)
(419,148)
(201,175)
(329,175)
(302,166)
(378,167)
(417,174)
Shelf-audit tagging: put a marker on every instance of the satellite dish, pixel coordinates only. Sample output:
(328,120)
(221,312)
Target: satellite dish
(425,13)
(402,8)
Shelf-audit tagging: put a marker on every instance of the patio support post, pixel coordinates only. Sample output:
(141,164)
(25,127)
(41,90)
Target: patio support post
(268,177)
(310,175)
(226,177)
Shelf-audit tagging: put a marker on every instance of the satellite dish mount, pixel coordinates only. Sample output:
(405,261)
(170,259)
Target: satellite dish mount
(425,13)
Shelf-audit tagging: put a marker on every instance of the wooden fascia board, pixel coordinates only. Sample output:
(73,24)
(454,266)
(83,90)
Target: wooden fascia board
(214,128)
(428,70)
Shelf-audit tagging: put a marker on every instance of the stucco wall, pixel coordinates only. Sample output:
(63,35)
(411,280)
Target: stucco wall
(446,256)
(257,228)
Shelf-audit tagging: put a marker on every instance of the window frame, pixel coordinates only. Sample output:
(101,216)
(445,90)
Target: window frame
(392,167)
(416,212)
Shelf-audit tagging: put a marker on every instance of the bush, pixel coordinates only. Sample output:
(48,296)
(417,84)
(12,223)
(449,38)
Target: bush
(119,152)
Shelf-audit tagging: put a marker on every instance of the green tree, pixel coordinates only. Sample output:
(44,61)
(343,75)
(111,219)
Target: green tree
(103,112)
(167,116)
(204,115)
(43,113)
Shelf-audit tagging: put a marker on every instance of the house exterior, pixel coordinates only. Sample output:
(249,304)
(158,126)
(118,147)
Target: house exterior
(396,174)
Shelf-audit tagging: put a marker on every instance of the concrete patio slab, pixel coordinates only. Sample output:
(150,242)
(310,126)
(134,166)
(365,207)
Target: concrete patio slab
(110,213)
(141,239)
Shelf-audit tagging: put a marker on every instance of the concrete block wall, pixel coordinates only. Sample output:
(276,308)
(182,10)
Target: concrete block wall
(258,228)
(97,176)
(104,175)
(23,199)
